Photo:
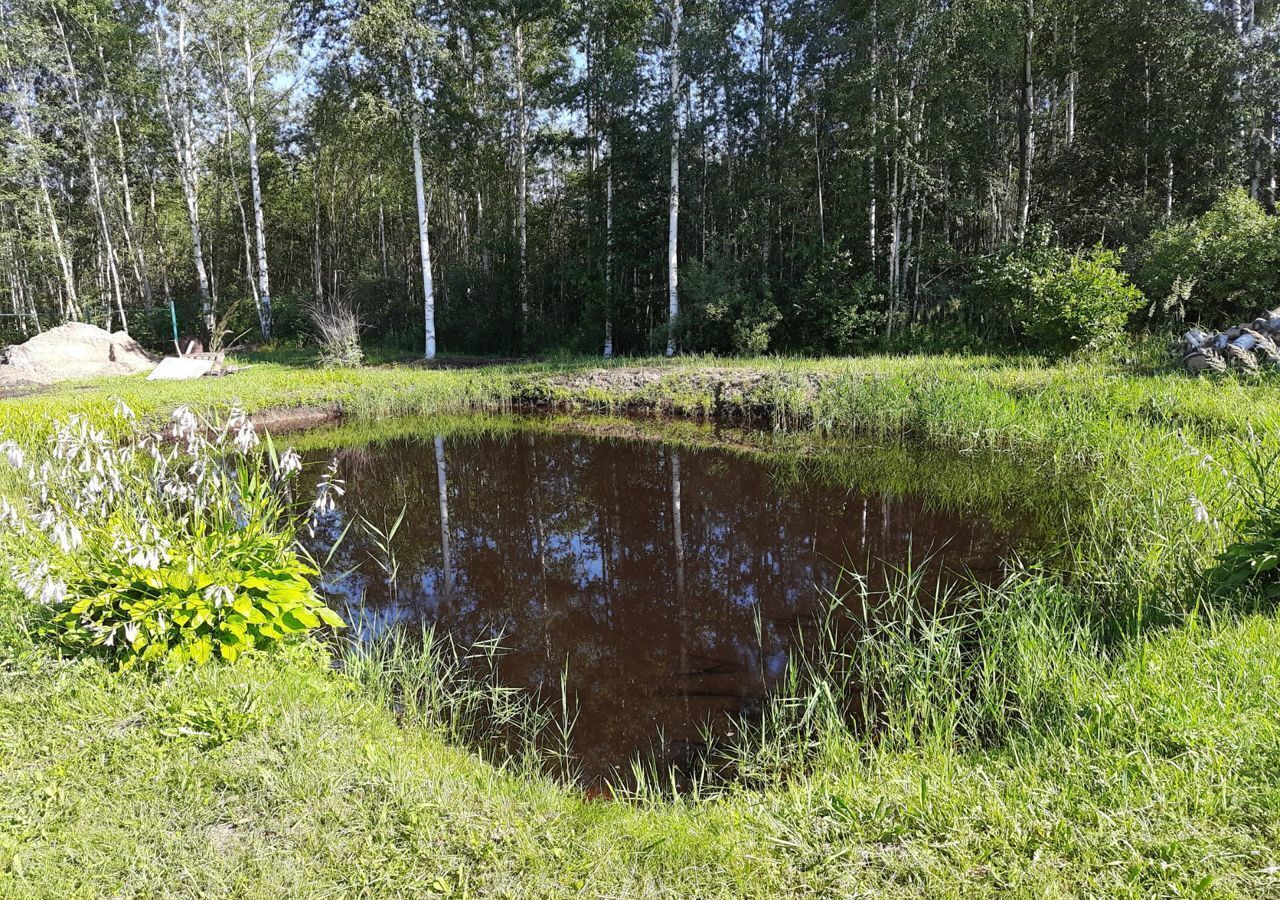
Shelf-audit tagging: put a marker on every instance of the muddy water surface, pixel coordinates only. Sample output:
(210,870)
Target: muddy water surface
(670,584)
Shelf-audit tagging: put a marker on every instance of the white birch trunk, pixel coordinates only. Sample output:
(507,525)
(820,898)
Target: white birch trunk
(235,184)
(259,223)
(675,15)
(522,175)
(442,489)
(95,180)
(424,243)
(1026,135)
(137,255)
(871,154)
(424,249)
(45,201)
(608,251)
(180,128)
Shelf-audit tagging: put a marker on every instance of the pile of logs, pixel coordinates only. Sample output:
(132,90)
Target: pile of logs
(1245,348)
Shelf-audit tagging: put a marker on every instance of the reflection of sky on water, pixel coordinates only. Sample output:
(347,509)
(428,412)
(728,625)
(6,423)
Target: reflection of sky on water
(672,583)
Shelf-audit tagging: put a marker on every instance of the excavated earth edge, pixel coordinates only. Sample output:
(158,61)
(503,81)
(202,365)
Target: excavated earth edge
(720,394)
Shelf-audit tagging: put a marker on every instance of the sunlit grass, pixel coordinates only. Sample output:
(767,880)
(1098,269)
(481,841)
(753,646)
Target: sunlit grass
(1099,725)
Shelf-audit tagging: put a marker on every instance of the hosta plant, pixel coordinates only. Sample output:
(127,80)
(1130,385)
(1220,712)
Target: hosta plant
(169,547)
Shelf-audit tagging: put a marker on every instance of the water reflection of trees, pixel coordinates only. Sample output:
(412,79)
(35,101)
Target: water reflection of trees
(642,567)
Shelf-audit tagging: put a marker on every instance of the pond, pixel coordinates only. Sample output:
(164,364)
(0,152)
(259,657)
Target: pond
(667,584)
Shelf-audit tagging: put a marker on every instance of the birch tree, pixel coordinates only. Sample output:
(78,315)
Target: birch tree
(673,10)
(177,93)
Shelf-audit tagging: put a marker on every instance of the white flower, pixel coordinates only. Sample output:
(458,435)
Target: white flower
(218,595)
(1201,511)
(289,463)
(37,584)
(122,410)
(245,438)
(67,536)
(185,427)
(9,515)
(328,488)
(131,632)
(13,453)
(53,591)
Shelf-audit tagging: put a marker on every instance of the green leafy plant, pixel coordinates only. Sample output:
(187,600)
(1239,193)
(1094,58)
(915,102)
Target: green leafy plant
(1077,305)
(1056,301)
(1227,261)
(171,547)
(1252,562)
(205,721)
(839,306)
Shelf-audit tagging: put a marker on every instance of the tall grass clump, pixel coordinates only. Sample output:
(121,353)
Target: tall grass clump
(337,327)
(917,667)
(161,546)
(457,692)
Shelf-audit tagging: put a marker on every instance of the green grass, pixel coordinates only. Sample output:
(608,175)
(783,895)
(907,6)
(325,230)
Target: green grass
(1101,728)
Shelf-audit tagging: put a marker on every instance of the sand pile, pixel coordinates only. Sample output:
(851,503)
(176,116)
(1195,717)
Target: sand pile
(74,350)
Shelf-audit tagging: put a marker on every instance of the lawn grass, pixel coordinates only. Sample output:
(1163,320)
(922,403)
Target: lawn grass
(1117,737)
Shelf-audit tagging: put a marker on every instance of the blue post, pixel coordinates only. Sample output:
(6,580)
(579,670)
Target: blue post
(173,317)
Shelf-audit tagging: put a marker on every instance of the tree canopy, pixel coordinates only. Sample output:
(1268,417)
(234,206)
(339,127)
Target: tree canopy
(845,169)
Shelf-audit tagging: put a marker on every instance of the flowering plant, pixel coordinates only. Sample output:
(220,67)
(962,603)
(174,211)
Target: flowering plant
(170,546)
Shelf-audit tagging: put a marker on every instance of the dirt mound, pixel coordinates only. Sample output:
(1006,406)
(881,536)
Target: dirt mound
(74,350)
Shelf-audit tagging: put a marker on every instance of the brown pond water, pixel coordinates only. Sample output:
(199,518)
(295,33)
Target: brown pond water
(670,584)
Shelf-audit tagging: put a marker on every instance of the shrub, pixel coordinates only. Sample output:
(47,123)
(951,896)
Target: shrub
(164,547)
(337,326)
(1077,306)
(839,307)
(1056,301)
(724,310)
(1227,261)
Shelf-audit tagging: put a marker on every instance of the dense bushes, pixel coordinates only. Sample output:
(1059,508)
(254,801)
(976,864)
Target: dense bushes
(163,547)
(1227,261)
(839,307)
(723,310)
(1056,301)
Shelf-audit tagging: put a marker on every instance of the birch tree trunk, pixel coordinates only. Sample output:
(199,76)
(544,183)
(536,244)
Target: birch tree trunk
(45,202)
(235,189)
(442,490)
(180,128)
(522,175)
(259,223)
(95,180)
(424,243)
(608,246)
(675,16)
(871,153)
(1026,133)
(1072,77)
(137,256)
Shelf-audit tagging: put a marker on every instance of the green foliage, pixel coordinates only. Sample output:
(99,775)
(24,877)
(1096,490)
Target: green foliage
(839,307)
(720,313)
(1077,306)
(217,594)
(204,722)
(1252,562)
(1056,301)
(1229,257)
(163,547)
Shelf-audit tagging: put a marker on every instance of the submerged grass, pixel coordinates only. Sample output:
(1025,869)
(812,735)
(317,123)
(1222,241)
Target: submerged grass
(1099,725)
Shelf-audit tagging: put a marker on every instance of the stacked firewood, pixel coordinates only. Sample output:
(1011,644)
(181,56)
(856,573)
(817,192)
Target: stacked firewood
(1246,348)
